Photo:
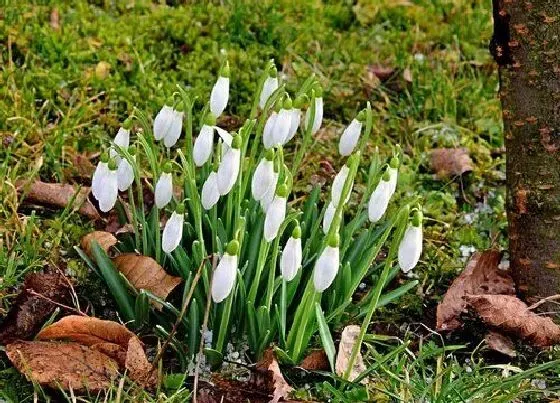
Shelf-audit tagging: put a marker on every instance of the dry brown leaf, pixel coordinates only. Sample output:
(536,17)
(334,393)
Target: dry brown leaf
(316,360)
(509,314)
(451,161)
(278,386)
(29,311)
(143,272)
(481,276)
(102,70)
(383,73)
(66,365)
(59,195)
(55,19)
(407,75)
(105,239)
(347,341)
(500,343)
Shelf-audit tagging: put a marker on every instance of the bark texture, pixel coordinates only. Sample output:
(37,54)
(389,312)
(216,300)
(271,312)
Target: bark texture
(526,45)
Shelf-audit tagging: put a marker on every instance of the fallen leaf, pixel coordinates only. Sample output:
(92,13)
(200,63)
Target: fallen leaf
(275,381)
(55,19)
(347,341)
(59,195)
(383,73)
(69,366)
(316,360)
(481,276)
(102,70)
(81,166)
(143,272)
(500,343)
(508,314)
(451,161)
(105,239)
(29,311)
(407,75)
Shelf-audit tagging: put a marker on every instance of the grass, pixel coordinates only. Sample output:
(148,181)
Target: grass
(64,91)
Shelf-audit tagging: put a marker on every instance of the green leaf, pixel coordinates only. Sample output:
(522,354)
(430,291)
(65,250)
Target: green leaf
(326,338)
(141,308)
(214,358)
(194,328)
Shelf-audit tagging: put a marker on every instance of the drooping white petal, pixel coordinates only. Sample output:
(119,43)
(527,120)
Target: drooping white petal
(393,176)
(294,123)
(122,139)
(262,178)
(338,185)
(174,131)
(350,137)
(379,201)
(328,217)
(164,190)
(268,131)
(326,268)
(163,122)
(203,144)
(410,248)
(269,195)
(290,261)
(224,277)
(270,85)
(172,233)
(210,193)
(224,134)
(125,175)
(109,191)
(219,96)
(282,126)
(318,118)
(275,215)
(98,175)
(228,170)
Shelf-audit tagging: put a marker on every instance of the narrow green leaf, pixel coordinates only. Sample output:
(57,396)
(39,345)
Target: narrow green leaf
(326,338)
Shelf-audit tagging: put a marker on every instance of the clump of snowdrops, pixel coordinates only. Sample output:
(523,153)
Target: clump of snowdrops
(275,268)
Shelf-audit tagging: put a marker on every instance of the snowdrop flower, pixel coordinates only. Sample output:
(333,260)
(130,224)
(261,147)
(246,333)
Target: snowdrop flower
(125,172)
(173,231)
(210,193)
(393,174)
(229,167)
(263,177)
(283,123)
(318,118)
(100,171)
(269,195)
(379,199)
(296,116)
(275,214)
(410,247)
(338,186)
(168,125)
(270,85)
(290,261)
(225,273)
(164,187)
(122,139)
(108,188)
(350,137)
(268,131)
(326,266)
(328,217)
(220,92)
(203,144)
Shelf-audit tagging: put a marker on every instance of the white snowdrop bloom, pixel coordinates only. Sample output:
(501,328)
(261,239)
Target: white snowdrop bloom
(328,217)
(379,200)
(223,278)
(174,132)
(294,123)
(122,139)
(173,231)
(270,85)
(164,190)
(262,178)
(228,170)
(290,261)
(393,176)
(202,149)
(225,136)
(168,125)
(326,268)
(318,118)
(210,193)
(338,185)
(268,131)
(410,248)
(100,171)
(275,215)
(108,188)
(350,137)
(269,195)
(125,175)
(282,127)
(219,96)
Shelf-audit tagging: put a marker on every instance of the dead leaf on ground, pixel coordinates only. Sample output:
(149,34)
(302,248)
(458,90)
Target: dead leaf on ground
(143,272)
(102,70)
(508,314)
(407,75)
(451,161)
(29,312)
(55,19)
(481,276)
(81,166)
(347,341)
(65,365)
(383,73)
(275,380)
(58,195)
(105,239)
(500,343)
(316,360)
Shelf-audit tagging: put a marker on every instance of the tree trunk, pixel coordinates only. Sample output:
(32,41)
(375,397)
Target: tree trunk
(526,45)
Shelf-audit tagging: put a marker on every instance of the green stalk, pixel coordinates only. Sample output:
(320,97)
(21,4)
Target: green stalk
(158,235)
(283,304)
(307,136)
(134,217)
(263,252)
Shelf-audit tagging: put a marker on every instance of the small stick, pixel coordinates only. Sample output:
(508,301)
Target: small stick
(32,292)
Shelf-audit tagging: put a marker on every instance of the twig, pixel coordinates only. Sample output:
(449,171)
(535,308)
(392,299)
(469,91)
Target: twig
(32,292)
(544,300)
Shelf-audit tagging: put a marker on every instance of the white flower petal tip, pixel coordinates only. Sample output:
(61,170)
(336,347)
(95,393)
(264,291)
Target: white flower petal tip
(349,138)
(270,85)
(379,201)
(202,149)
(168,125)
(268,131)
(228,170)
(326,268)
(328,217)
(290,261)
(172,233)
(275,215)
(122,139)
(210,193)
(125,175)
(219,96)
(263,179)
(294,123)
(338,186)
(410,248)
(164,190)
(109,191)
(98,175)
(282,127)
(224,278)
(318,118)
(393,177)
(175,129)
(269,195)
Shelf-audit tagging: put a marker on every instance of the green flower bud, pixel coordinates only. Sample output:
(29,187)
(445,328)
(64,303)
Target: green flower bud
(417,218)
(210,119)
(127,124)
(394,163)
(362,115)
(282,190)
(272,71)
(334,240)
(269,154)
(386,176)
(113,165)
(233,247)
(236,141)
(318,90)
(132,150)
(167,167)
(287,104)
(301,101)
(104,157)
(296,233)
(225,70)
(180,209)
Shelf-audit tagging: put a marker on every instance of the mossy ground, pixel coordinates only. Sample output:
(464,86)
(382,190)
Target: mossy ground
(64,90)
